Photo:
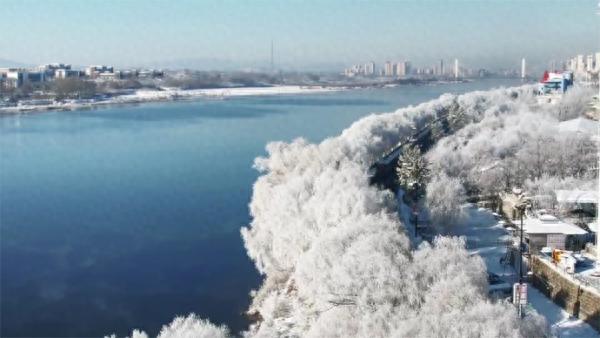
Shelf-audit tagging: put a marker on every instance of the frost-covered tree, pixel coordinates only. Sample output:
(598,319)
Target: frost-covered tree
(412,171)
(573,104)
(444,198)
(193,327)
(457,117)
(187,327)
(334,255)
(504,149)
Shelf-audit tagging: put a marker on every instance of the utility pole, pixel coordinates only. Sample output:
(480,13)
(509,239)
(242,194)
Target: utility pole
(522,209)
(597,272)
(272,58)
(520,288)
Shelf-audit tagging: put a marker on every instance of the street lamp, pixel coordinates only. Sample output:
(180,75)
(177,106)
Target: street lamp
(521,207)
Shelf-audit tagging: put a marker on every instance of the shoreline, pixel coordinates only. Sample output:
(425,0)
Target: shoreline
(169,94)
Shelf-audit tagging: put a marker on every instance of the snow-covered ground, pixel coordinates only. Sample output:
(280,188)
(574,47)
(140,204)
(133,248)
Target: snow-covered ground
(168,94)
(486,237)
(584,272)
(562,324)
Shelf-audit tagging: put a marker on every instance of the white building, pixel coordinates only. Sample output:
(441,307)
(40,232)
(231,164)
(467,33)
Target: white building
(549,231)
(370,68)
(580,67)
(523,69)
(14,78)
(589,63)
(66,73)
(456,73)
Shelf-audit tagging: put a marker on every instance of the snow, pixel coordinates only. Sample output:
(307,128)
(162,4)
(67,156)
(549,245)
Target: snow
(551,226)
(171,93)
(487,238)
(576,196)
(561,323)
(593,226)
(487,234)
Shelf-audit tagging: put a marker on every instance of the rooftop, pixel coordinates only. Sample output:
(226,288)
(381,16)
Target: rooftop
(548,224)
(579,125)
(576,196)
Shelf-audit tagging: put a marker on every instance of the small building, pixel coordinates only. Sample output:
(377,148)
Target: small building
(50,69)
(109,76)
(66,73)
(584,201)
(95,71)
(549,231)
(14,78)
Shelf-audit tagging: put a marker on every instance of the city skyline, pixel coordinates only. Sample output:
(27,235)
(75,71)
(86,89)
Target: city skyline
(308,35)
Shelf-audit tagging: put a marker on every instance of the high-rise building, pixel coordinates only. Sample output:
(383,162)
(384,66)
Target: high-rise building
(580,64)
(597,61)
(589,63)
(370,68)
(400,69)
(523,68)
(572,64)
(442,70)
(389,69)
(403,68)
(456,69)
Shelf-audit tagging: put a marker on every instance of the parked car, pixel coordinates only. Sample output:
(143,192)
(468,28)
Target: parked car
(497,285)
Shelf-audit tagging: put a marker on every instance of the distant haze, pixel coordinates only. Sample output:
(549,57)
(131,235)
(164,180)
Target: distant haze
(317,35)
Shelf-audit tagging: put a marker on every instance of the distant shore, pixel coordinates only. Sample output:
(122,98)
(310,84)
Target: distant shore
(164,94)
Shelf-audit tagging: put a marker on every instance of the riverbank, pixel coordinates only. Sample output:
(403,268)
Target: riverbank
(167,94)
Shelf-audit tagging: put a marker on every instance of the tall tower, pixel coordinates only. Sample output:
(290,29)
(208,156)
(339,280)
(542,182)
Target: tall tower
(272,58)
(441,67)
(523,68)
(456,68)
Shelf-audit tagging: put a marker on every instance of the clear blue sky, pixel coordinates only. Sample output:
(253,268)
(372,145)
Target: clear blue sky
(312,34)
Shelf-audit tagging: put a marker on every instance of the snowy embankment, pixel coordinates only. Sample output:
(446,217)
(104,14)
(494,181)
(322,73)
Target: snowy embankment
(174,93)
(170,94)
(335,256)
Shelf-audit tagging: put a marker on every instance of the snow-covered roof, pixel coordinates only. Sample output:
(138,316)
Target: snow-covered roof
(579,125)
(548,224)
(576,196)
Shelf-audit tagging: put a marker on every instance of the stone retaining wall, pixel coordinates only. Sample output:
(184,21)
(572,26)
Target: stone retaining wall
(579,300)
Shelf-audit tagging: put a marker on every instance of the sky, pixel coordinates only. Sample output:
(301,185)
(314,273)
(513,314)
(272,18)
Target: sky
(310,34)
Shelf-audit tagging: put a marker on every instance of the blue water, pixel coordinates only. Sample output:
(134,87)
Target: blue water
(123,217)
